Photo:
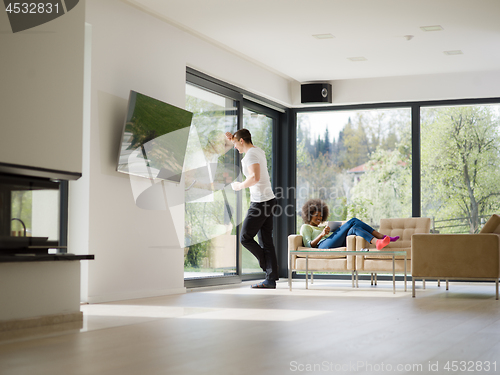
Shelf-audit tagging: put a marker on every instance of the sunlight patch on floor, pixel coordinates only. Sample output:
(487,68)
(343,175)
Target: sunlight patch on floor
(161,312)
(140,311)
(277,315)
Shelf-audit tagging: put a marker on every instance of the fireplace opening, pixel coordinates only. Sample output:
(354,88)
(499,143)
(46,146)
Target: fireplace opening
(30,215)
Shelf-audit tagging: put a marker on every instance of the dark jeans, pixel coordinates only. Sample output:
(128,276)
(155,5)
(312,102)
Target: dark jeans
(259,221)
(338,238)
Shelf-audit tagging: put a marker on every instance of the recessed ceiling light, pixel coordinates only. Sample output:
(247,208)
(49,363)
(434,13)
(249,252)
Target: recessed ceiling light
(359,58)
(455,52)
(431,28)
(323,36)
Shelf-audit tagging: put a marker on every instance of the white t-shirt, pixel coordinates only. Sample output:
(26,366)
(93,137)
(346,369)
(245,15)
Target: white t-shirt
(262,190)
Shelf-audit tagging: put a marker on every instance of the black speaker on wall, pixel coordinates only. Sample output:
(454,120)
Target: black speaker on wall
(316,93)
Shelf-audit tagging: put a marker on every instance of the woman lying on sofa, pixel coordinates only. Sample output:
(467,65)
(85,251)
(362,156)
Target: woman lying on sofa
(314,235)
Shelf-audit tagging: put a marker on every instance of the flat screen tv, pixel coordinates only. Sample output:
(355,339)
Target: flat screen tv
(154,139)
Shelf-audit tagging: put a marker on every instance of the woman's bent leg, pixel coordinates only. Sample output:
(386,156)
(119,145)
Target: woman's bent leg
(363,225)
(338,238)
(362,232)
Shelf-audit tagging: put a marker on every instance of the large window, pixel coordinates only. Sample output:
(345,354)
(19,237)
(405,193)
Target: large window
(359,162)
(460,166)
(210,167)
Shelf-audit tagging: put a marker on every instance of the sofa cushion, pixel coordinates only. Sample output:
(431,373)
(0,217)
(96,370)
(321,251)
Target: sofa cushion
(324,265)
(404,228)
(379,254)
(492,225)
(327,254)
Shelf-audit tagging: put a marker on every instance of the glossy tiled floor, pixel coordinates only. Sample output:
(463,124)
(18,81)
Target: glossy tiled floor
(330,328)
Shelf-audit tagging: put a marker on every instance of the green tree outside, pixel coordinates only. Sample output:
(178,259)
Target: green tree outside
(362,170)
(460,165)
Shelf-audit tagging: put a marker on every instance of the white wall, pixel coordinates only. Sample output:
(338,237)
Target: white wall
(41,92)
(34,289)
(137,253)
(79,199)
(411,88)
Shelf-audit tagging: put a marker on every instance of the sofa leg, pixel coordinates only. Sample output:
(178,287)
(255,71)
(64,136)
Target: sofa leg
(375,278)
(447,284)
(413,287)
(439,283)
(496,285)
(423,283)
(307,270)
(371,278)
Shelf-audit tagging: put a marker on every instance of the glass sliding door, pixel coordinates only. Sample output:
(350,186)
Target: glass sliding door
(359,162)
(460,167)
(261,127)
(210,166)
(213,211)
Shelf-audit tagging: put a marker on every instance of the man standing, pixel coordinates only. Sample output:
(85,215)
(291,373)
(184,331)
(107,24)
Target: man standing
(259,220)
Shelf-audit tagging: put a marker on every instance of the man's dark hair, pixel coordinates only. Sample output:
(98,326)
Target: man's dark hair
(243,134)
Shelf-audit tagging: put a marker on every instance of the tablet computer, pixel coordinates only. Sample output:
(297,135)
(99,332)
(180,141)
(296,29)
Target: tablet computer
(334,225)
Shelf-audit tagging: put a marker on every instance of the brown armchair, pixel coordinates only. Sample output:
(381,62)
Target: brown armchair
(458,256)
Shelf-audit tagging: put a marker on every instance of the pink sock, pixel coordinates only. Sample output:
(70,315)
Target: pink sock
(383,242)
(393,239)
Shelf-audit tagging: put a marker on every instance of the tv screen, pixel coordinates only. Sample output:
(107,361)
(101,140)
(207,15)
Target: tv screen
(154,139)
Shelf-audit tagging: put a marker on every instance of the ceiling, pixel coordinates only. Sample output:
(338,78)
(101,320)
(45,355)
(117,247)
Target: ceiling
(278,34)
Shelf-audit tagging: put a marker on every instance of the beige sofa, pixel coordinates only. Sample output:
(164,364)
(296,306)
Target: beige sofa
(405,228)
(458,256)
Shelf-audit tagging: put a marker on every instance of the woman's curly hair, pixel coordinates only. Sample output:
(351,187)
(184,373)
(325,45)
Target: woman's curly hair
(311,207)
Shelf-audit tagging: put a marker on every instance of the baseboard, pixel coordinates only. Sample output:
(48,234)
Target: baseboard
(134,295)
(39,321)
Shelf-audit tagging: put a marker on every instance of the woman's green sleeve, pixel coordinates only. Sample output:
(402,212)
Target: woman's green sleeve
(306,232)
